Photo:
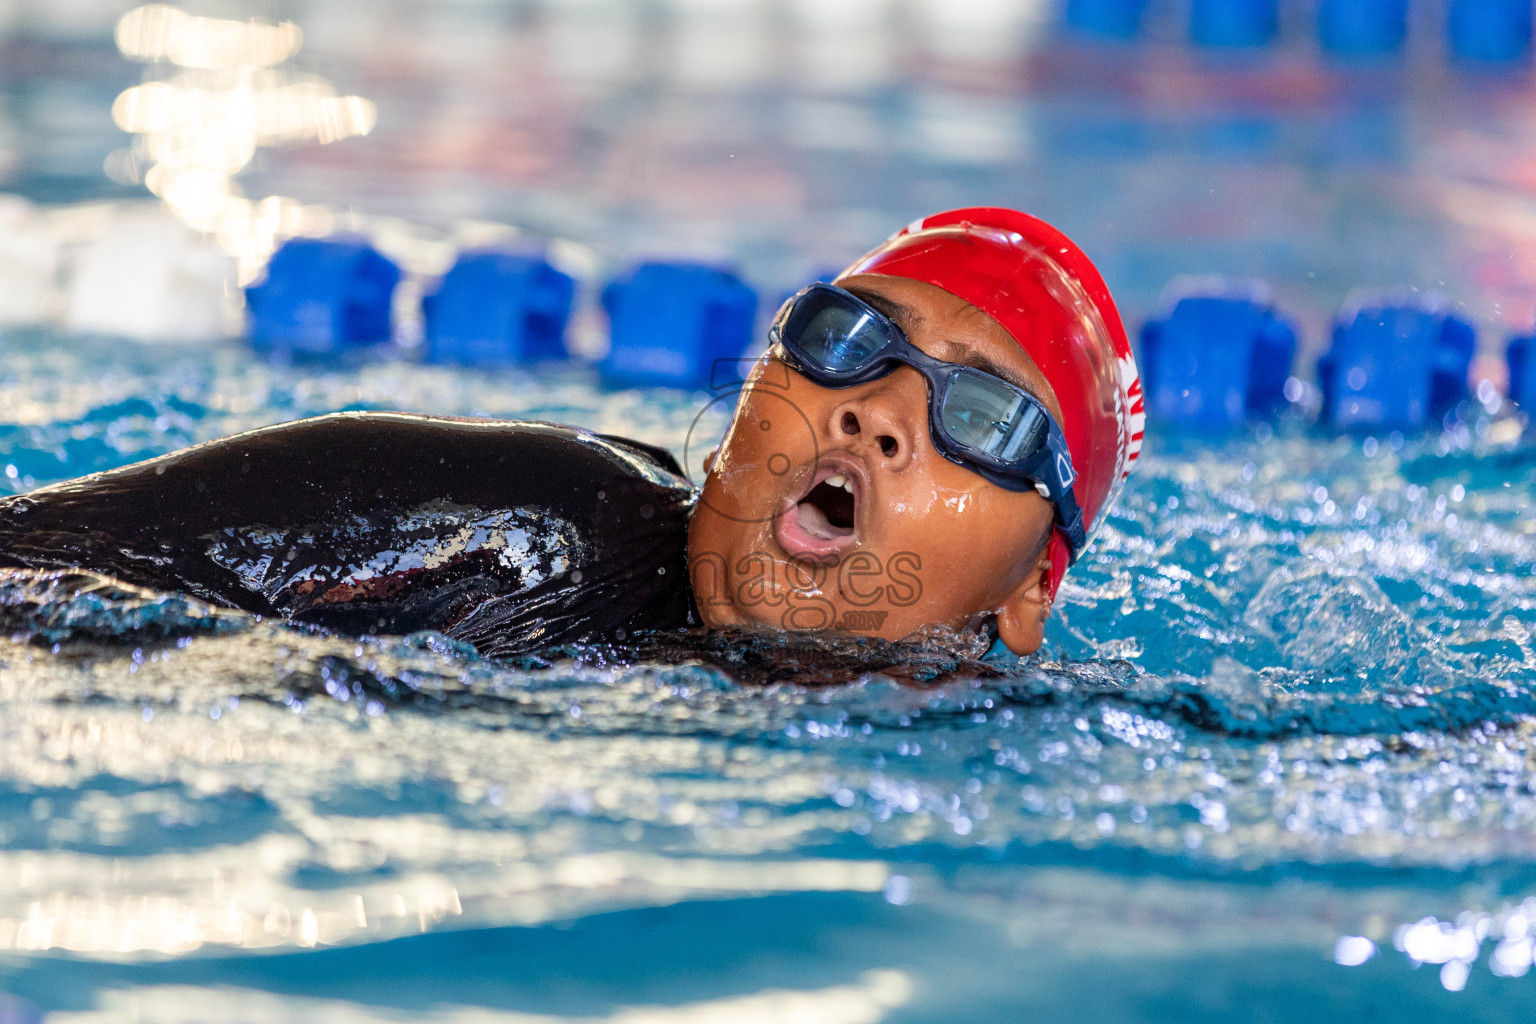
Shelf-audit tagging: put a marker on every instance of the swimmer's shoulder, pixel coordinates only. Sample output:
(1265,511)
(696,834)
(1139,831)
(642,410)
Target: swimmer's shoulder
(428,449)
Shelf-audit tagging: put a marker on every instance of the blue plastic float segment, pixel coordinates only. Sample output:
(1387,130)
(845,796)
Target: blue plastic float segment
(1216,361)
(1112,19)
(1492,30)
(1362,27)
(1522,372)
(671,321)
(1234,22)
(322,295)
(1395,366)
(499,307)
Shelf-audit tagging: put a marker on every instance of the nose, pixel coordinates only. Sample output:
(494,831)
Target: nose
(888,416)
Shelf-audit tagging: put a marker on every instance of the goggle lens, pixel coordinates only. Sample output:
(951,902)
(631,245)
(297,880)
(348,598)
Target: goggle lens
(837,337)
(986,414)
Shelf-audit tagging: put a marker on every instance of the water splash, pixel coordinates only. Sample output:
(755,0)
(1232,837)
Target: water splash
(1283,658)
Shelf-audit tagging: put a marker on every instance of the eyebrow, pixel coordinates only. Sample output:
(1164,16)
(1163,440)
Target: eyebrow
(906,318)
(977,361)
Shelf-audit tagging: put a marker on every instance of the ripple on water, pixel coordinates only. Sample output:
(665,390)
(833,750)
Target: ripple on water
(1282,657)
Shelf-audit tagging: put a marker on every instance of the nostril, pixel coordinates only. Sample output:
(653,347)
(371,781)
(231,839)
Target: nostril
(888,445)
(850,423)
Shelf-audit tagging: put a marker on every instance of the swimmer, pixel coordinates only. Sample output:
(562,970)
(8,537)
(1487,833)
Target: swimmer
(928,442)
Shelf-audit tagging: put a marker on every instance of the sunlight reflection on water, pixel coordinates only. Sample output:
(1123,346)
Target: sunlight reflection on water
(1284,658)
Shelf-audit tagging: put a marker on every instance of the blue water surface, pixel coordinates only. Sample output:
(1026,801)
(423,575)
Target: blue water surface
(1282,718)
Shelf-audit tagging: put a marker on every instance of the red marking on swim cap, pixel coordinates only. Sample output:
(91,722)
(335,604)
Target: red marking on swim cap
(1061,558)
(1048,295)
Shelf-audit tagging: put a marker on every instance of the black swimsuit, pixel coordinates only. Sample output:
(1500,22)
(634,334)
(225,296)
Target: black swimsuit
(512,536)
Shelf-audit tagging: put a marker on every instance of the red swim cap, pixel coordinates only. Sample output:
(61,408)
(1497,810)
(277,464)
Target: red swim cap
(1033,280)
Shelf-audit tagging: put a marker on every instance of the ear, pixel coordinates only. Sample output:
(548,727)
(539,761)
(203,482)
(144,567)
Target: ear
(1021,620)
(709,460)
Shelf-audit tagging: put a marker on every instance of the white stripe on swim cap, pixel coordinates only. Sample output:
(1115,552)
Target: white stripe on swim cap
(1131,411)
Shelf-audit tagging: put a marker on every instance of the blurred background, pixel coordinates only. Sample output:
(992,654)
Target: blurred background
(781,136)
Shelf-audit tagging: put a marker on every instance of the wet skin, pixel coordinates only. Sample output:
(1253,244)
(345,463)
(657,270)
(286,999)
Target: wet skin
(831,508)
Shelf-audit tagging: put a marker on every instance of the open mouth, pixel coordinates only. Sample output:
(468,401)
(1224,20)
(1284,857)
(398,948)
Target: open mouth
(827,512)
(824,521)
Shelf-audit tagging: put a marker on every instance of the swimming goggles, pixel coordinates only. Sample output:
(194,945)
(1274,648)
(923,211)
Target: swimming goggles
(978,420)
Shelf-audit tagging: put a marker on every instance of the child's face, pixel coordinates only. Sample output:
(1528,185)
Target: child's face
(830,508)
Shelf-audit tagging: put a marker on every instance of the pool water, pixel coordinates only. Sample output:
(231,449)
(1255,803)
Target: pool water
(1282,718)
(1273,763)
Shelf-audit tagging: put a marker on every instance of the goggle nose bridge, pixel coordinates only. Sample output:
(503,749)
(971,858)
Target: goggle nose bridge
(1051,453)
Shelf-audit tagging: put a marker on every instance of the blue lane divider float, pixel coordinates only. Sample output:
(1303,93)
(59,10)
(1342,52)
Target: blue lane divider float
(1362,27)
(670,321)
(498,307)
(1398,361)
(1489,30)
(1111,19)
(1234,22)
(322,295)
(1522,372)
(1218,358)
